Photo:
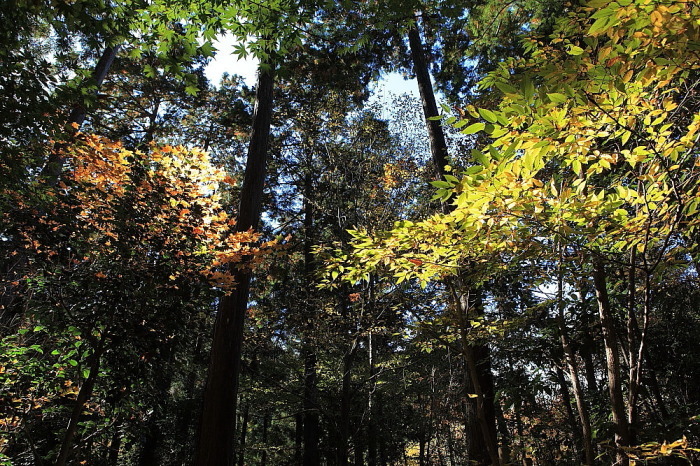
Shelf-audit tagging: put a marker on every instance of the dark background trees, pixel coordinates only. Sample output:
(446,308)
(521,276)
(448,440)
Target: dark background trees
(117,265)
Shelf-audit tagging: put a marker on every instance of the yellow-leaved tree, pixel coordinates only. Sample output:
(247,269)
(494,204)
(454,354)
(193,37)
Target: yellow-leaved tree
(593,163)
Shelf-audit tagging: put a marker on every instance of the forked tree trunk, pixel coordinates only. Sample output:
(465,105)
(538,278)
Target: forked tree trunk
(617,403)
(216,441)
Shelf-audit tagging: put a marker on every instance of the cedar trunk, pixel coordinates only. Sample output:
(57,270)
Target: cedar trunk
(215,446)
(480,365)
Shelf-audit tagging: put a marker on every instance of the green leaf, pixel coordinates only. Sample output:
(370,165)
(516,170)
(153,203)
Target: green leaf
(506,88)
(599,25)
(488,115)
(474,128)
(575,50)
(557,98)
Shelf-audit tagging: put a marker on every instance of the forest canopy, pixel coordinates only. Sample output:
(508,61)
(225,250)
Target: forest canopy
(504,271)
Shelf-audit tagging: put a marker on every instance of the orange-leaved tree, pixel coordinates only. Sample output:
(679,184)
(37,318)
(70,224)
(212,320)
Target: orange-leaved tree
(122,249)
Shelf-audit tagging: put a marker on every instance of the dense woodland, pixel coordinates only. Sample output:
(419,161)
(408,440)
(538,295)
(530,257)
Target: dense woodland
(503,272)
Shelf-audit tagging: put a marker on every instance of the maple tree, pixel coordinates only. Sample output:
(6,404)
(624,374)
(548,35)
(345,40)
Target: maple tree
(122,227)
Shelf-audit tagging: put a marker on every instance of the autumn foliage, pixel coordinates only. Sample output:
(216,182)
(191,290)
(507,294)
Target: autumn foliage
(151,213)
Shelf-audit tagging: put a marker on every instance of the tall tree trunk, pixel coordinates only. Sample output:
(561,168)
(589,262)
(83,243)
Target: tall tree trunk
(84,394)
(54,166)
(298,438)
(311,418)
(438,144)
(371,421)
(613,362)
(311,414)
(216,441)
(240,454)
(344,431)
(265,428)
(572,366)
(481,366)
(479,369)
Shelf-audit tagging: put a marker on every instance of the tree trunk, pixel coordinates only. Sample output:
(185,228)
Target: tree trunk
(438,144)
(83,395)
(265,428)
(298,437)
(240,454)
(371,421)
(215,446)
(613,362)
(54,166)
(311,420)
(311,414)
(344,439)
(572,366)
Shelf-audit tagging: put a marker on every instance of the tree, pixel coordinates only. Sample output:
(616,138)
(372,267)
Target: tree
(578,156)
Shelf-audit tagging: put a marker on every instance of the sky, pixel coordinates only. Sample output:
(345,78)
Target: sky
(226,62)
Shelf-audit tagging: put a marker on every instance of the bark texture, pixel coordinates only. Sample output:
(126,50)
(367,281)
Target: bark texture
(216,440)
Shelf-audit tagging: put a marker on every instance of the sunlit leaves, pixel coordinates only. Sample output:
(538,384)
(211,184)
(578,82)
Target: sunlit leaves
(157,212)
(588,146)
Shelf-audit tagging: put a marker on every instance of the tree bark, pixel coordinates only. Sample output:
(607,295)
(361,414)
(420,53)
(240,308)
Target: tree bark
(613,362)
(311,414)
(438,144)
(54,165)
(216,441)
(84,394)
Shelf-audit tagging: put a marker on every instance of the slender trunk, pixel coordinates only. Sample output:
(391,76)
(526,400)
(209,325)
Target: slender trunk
(215,446)
(438,144)
(345,406)
(311,418)
(54,166)
(371,422)
(83,395)
(266,426)
(613,362)
(311,414)
(632,337)
(572,366)
(566,400)
(504,449)
(382,453)
(240,454)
